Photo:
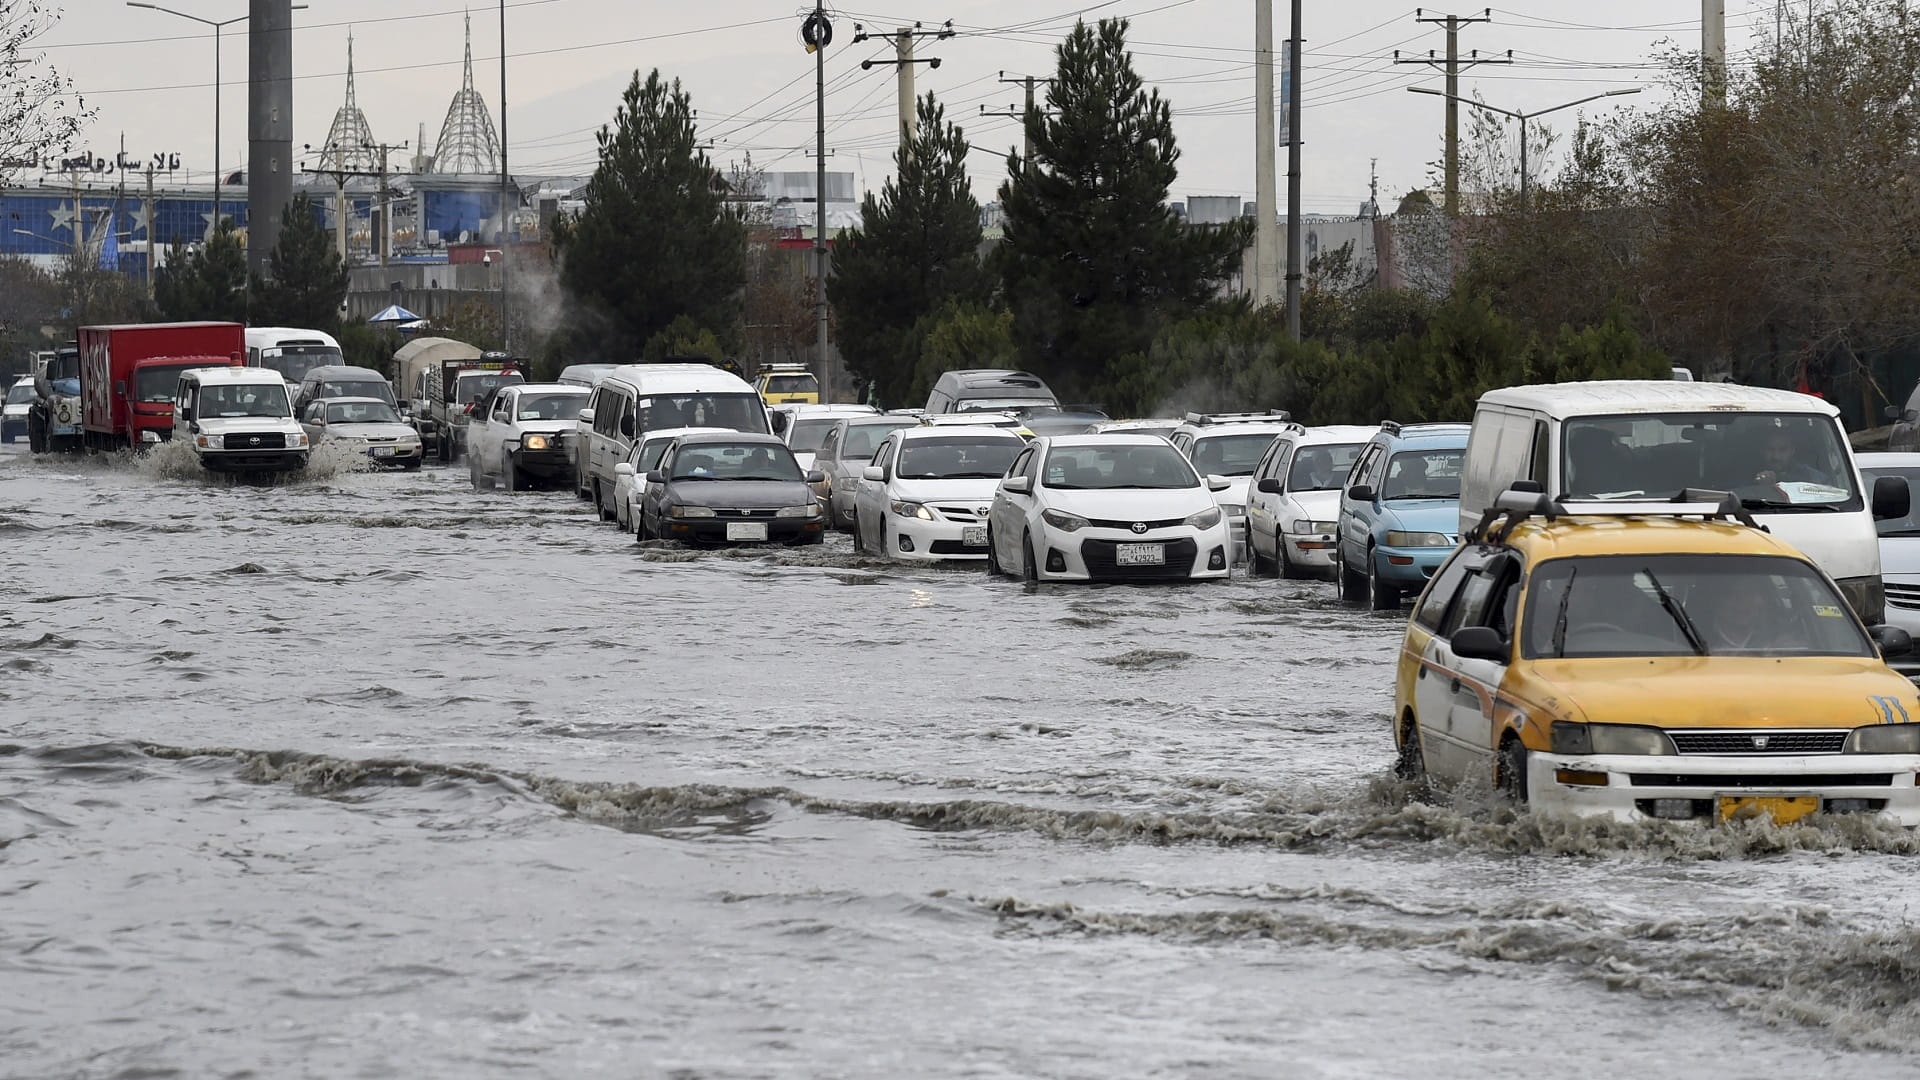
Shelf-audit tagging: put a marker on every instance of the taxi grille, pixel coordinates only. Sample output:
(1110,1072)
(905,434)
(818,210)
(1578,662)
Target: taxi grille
(1747,741)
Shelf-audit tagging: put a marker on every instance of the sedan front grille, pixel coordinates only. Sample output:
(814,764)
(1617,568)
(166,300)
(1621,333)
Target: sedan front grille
(1748,741)
(1163,523)
(744,511)
(1903,596)
(1103,561)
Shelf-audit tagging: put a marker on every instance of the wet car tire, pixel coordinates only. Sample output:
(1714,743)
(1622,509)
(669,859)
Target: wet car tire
(1511,777)
(1353,585)
(600,504)
(1409,760)
(1256,562)
(1380,595)
(1287,569)
(480,483)
(993,560)
(516,481)
(1029,570)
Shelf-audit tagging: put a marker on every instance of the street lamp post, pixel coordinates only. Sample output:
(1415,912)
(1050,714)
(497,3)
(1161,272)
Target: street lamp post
(217,25)
(1523,117)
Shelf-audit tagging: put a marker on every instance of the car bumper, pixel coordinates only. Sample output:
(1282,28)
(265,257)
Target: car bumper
(253,461)
(1310,551)
(1878,785)
(934,541)
(1093,554)
(546,464)
(1409,567)
(714,530)
(396,456)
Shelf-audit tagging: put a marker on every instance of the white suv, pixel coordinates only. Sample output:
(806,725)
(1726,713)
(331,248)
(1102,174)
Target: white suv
(1293,507)
(927,491)
(1230,445)
(518,436)
(238,420)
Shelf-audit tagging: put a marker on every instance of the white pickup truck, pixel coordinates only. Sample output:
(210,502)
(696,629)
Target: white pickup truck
(517,436)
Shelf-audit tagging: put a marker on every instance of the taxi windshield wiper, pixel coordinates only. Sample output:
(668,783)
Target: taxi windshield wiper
(1779,505)
(1679,614)
(1560,618)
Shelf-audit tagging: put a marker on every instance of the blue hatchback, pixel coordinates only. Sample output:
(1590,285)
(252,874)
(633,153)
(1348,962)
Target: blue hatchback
(1400,512)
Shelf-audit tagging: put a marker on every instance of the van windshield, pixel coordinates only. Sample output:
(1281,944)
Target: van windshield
(1772,461)
(294,361)
(740,412)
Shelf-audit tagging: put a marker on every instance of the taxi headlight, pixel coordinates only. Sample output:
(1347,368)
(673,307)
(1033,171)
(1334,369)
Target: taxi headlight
(912,510)
(1885,739)
(210,442)
(1569,738)
(1396,538)
(1206,519)
(535,442)
(690,511)
(1063,521)
(809,510)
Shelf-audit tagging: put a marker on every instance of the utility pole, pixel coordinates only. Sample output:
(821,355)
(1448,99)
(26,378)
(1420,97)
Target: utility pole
(817,33)
(1526,191)
(148,214)
(506,191)
(1296,236)
(903,59)
(1713,52)
(1266,242)
(1453,65)
(269,127)
(1029,82)
(379,239)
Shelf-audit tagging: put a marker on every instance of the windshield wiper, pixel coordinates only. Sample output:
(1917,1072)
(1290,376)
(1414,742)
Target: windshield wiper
(1679,615)
(1776,504)
(1560,617)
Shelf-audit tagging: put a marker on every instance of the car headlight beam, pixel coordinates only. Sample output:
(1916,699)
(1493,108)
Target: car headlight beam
(1571,738)
(535,442)
(912,510)
(1396,538)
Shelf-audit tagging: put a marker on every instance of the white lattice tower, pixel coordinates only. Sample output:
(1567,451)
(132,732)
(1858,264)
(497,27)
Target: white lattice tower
(349,143)
(467,143)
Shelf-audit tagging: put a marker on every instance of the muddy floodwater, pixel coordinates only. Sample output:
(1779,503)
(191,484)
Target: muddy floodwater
(371,775)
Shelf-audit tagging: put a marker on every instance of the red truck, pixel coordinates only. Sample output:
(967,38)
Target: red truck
(128,374)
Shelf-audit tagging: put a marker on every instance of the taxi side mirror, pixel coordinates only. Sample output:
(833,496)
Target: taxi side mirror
(1479,643)
(1268,485)
(1892,640)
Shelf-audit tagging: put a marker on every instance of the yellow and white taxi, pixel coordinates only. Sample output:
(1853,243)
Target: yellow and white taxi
(1665,660)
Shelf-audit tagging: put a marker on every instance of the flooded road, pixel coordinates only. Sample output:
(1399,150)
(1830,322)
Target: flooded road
(372,775)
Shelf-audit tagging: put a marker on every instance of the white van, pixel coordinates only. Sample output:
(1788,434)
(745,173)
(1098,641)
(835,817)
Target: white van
(291,351)
(636,398)
(1783,453)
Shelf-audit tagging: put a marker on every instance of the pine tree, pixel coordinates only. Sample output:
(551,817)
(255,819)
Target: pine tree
(915,252)
(308,282)
(656,241)
(207,283)
(1093,259)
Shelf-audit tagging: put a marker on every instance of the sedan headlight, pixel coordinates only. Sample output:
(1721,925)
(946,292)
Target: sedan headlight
(210,442)
(690,511)
(535,442)
(912,510)
(809,510)
(1234,509)
(1569,738)
(1304,526)
(1885,739)
(1206,519)
(1398,539)
(1063,521)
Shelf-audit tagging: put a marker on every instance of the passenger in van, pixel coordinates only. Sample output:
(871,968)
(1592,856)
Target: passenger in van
(1780,458)
(1599,463)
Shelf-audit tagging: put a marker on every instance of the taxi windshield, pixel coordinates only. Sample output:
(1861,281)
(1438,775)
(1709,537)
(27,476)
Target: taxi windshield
(1686,605)
(1778,462)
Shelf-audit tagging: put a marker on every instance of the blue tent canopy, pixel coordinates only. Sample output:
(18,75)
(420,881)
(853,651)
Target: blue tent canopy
(394,313)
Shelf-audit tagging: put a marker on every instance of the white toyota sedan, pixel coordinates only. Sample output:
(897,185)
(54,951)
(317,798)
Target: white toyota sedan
(1105,507)
(925,494)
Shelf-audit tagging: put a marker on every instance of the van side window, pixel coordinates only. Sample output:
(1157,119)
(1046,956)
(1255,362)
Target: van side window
(1537,465)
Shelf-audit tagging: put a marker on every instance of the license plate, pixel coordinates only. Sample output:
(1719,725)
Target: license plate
(383,451)
(1783,809)
(1140,555)
(746,530)
(973,536)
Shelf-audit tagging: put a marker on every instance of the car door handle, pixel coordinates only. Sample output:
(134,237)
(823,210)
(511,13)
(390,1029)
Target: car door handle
(1422,673)
(1456,686)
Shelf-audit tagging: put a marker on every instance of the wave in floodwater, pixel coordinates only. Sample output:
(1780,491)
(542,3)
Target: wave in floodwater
(174,460)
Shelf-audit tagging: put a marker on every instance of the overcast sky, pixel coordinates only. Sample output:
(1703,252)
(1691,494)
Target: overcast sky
(149,75)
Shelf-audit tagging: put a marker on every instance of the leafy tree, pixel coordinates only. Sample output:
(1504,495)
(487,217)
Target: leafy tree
(209,282)
(307,283)
(476,322)
(683,338)
(958,336)
(1093,259)
(656,240)
(916,249)
(39,113)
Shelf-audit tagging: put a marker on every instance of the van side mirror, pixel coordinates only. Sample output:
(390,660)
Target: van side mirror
(1268,485)
(1892,499)
(1892,640)
(779,422)
(1479,643)
(1361,493)
(626,425)
(184,412)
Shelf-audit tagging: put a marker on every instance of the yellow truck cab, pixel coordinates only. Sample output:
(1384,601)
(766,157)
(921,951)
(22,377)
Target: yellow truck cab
(787,384)
(1661,660)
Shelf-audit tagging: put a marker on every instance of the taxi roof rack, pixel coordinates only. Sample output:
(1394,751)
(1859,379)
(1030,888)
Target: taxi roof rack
(1525,500)
(1202,419)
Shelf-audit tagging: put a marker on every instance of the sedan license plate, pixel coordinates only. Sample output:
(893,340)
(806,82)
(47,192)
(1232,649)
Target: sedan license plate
(746,530)
(973,536)
(1140,555)
(383,451)
(1783,809)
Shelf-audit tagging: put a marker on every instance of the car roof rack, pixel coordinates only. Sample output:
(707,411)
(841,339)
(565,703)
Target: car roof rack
(1525,500)
(1395,427)
(1201,419)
